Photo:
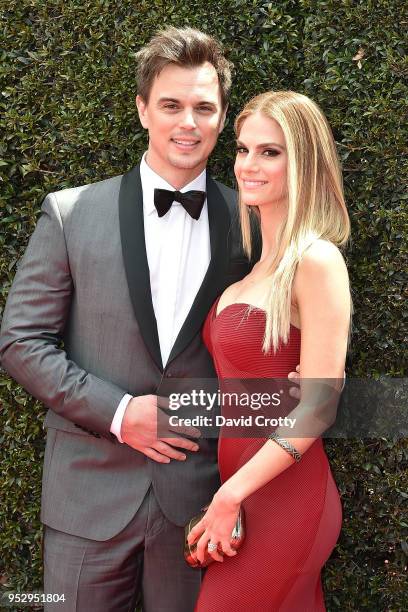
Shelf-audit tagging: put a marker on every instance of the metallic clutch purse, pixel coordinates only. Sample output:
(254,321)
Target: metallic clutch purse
(237,538)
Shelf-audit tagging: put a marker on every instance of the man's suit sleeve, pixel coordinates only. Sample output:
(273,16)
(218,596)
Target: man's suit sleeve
(33,322)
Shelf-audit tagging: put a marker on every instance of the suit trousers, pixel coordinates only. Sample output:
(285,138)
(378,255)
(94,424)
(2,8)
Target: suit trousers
(143,563)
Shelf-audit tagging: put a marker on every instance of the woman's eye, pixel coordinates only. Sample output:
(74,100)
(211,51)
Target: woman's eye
(241,150)
(271,152)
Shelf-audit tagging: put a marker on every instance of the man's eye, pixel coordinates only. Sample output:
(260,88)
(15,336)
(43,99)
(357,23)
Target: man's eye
(205,109)
(170,106)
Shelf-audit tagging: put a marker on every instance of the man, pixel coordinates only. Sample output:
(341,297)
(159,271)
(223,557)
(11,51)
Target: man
(125,281)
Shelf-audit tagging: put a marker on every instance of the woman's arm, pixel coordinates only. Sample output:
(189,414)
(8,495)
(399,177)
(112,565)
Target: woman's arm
(321,291)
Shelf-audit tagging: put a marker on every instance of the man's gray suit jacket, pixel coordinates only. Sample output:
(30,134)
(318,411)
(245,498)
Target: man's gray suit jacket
(79,332)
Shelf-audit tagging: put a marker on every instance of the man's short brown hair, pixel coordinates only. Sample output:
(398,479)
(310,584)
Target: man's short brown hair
(185,47)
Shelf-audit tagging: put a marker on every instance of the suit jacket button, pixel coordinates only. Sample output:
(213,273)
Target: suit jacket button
(169,374)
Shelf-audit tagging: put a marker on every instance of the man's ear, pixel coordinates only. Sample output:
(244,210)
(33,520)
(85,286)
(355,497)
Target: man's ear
(223,117)
(141,109)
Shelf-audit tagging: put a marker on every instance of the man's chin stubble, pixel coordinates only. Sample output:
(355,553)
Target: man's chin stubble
(186,163)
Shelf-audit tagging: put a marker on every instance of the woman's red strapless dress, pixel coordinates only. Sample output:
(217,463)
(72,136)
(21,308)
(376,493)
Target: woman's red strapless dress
(294,521)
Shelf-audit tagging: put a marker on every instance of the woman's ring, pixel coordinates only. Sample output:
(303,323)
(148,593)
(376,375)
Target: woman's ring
(211,546)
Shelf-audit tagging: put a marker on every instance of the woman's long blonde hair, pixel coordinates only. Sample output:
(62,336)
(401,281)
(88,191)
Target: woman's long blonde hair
(316,207)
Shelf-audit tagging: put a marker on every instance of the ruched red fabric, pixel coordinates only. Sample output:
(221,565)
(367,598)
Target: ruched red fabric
(293,522)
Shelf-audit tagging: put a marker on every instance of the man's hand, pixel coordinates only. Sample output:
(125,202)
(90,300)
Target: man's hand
(139,430)
(294,377)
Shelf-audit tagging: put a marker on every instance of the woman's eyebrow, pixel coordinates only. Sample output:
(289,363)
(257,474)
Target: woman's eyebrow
(263,145)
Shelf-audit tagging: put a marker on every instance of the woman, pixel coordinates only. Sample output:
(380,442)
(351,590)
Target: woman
(295,304)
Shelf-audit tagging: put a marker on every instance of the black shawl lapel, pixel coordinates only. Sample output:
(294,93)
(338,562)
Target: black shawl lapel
(213,283)
(135,259)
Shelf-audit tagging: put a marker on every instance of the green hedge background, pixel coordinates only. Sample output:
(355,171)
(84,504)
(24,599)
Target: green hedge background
(67,101)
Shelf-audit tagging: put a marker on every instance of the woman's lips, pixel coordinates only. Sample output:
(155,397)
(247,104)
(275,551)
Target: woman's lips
(251,184)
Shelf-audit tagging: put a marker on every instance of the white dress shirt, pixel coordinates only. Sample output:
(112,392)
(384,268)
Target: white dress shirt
(178,254)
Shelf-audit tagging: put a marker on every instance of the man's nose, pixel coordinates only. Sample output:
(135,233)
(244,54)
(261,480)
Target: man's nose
(187,120)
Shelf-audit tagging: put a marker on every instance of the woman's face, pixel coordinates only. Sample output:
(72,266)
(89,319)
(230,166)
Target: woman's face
(261,162)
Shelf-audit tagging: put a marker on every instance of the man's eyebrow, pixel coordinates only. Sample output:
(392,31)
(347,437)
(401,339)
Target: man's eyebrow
(263,145)
(163,100)
(207,102)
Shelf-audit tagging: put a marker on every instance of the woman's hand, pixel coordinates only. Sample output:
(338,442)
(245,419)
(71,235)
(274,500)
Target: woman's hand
(216,526)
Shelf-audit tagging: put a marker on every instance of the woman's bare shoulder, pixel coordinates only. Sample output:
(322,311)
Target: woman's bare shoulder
(322,257)
(322,268)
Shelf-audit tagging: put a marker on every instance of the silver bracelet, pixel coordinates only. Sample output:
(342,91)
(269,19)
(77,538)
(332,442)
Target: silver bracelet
(287,446)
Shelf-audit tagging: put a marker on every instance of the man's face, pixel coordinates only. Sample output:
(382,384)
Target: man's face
(184,117)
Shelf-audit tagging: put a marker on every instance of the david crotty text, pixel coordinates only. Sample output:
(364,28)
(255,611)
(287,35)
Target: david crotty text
(222,421)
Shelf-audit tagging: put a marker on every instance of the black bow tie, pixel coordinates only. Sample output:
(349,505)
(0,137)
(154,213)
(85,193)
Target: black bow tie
(191,201)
